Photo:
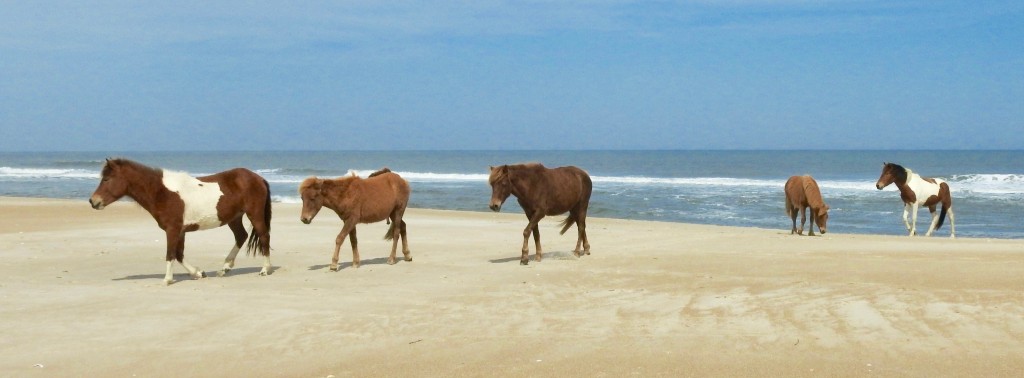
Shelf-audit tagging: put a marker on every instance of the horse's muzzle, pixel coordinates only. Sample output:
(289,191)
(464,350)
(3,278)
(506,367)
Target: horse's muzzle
(879,186)
(96,203)
(305,220)
(495,207)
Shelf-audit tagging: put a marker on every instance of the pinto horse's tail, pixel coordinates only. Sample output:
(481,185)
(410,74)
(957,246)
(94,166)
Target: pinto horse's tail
(947,202)
(254,237)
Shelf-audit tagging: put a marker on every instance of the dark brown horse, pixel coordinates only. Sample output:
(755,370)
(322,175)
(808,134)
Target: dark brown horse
(802,193)
(916,191)
(181,203)
(540,192)
(383,195)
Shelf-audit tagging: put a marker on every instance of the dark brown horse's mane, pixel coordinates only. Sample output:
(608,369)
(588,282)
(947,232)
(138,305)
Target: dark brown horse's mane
(380,172)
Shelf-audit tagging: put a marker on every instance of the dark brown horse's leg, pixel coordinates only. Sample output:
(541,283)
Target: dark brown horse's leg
(531,228)
(239,230)
(348,227)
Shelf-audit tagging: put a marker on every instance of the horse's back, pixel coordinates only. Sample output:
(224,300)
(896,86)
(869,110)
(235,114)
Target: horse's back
(802,191)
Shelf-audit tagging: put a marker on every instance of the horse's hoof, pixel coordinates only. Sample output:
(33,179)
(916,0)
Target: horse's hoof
(223,273)
(524,262)
(334,268)
(200,274)
(392,261)
(168,282)
(407,258)
(264,273)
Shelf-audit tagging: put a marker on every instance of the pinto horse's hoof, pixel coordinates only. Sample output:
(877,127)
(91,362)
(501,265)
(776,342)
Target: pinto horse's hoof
(168,282)
(223,273)
(264,273)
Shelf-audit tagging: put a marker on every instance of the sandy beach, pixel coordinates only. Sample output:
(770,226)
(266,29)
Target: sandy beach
(82,294)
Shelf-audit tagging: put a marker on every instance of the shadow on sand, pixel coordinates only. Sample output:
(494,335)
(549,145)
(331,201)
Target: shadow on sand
(557,255)
(348,264)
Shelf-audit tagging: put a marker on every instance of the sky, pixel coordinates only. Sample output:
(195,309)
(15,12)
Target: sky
(511,75)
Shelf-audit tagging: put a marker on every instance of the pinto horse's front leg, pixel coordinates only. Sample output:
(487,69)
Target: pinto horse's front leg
(906,218)
(176,251)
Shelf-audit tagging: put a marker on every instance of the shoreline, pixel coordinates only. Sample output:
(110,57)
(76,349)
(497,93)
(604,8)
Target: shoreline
(83,295)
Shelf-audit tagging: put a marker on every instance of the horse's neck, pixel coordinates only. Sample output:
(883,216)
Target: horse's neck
(146,188)
(336,189)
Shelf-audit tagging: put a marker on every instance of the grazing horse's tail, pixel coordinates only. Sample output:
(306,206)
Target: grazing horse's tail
(568,222)
(254,237)
(390,235)
(942,217)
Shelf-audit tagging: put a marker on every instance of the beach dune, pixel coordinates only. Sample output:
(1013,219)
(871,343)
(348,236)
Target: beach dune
(81,294)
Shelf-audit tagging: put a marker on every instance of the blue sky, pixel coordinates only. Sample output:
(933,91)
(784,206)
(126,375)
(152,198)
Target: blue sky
(604,74)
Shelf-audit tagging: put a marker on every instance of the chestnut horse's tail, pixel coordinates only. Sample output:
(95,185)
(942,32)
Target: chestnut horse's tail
(390,235)
(568,222)
(254,237)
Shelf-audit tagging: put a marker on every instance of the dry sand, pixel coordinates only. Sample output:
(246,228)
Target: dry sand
(81,294)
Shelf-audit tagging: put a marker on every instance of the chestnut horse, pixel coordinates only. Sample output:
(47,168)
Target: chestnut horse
(802,193)
(541,191)
(918,191)
(181,203)
(383,195)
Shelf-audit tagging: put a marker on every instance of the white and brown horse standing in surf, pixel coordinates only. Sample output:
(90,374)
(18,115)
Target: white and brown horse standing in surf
(918,191)
(382,195)
(540,192)
(181,203)
(802,193)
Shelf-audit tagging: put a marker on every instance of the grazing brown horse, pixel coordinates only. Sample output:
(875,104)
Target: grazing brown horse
(383,195)
(181,203)
(802,193)
(918,191)
(541,191)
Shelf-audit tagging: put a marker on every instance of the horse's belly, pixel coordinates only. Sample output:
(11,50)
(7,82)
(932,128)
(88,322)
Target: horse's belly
(200,199)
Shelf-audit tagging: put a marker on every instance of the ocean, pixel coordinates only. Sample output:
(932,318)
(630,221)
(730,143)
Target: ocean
(732,188)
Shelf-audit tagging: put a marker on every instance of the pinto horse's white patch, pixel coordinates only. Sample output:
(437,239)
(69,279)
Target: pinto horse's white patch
(200,199)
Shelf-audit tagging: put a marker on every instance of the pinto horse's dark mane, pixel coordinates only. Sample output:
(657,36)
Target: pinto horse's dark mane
(123,162)
(898,171)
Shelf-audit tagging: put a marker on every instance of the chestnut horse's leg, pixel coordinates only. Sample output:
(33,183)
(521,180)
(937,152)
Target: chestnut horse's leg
(349,227)
(239,230)
(581,230)
(803,220)
(405,242)
(812,221)
(396,232)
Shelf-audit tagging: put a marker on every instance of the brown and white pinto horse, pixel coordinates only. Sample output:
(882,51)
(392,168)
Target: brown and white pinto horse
(918,191)
(382,195)
(181,203)
(541,191)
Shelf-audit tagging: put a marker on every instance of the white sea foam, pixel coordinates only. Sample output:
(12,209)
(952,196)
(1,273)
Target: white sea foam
(48,173)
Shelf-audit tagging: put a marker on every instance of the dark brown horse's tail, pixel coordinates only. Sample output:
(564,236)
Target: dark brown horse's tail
(568,222)
(390,235)
(254,237)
